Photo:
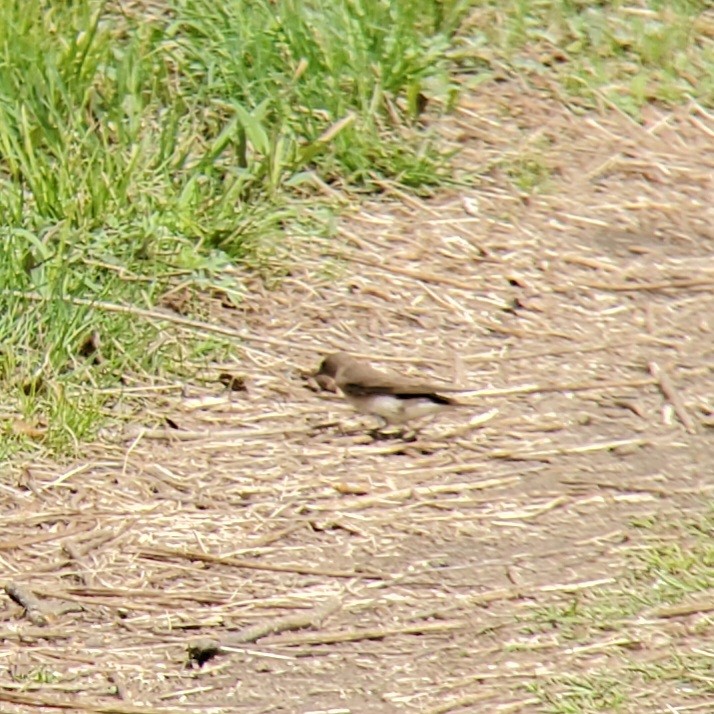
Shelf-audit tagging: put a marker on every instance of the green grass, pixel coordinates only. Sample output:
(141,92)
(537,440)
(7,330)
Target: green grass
(651,654)
(600,54)
(138,153)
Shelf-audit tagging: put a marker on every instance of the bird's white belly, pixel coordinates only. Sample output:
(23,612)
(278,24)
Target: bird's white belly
(394,410)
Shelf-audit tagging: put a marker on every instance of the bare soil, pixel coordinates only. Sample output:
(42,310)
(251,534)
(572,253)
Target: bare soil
(389,576)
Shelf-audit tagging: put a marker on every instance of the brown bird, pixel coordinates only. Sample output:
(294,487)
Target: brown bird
(394,398)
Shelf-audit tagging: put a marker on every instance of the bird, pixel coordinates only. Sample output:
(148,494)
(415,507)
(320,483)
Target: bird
(394,398)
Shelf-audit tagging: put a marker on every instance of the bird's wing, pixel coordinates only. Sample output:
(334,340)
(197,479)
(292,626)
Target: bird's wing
(363,380)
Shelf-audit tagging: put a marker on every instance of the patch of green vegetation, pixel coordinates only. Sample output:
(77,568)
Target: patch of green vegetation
(634,622)
(148,148)
(528,170)
(40,675)
(600,692)
(602,53)
(635,687)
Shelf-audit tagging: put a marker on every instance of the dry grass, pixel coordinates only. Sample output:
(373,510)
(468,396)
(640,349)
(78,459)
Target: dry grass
(345,575)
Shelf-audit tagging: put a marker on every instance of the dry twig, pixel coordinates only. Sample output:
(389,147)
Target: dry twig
(670,393)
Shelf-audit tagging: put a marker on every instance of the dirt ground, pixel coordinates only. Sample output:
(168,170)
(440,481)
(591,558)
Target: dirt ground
(348,575)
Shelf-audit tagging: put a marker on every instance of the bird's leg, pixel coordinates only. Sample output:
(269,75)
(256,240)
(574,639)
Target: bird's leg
(377,432)
(381,432)
(409,434)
